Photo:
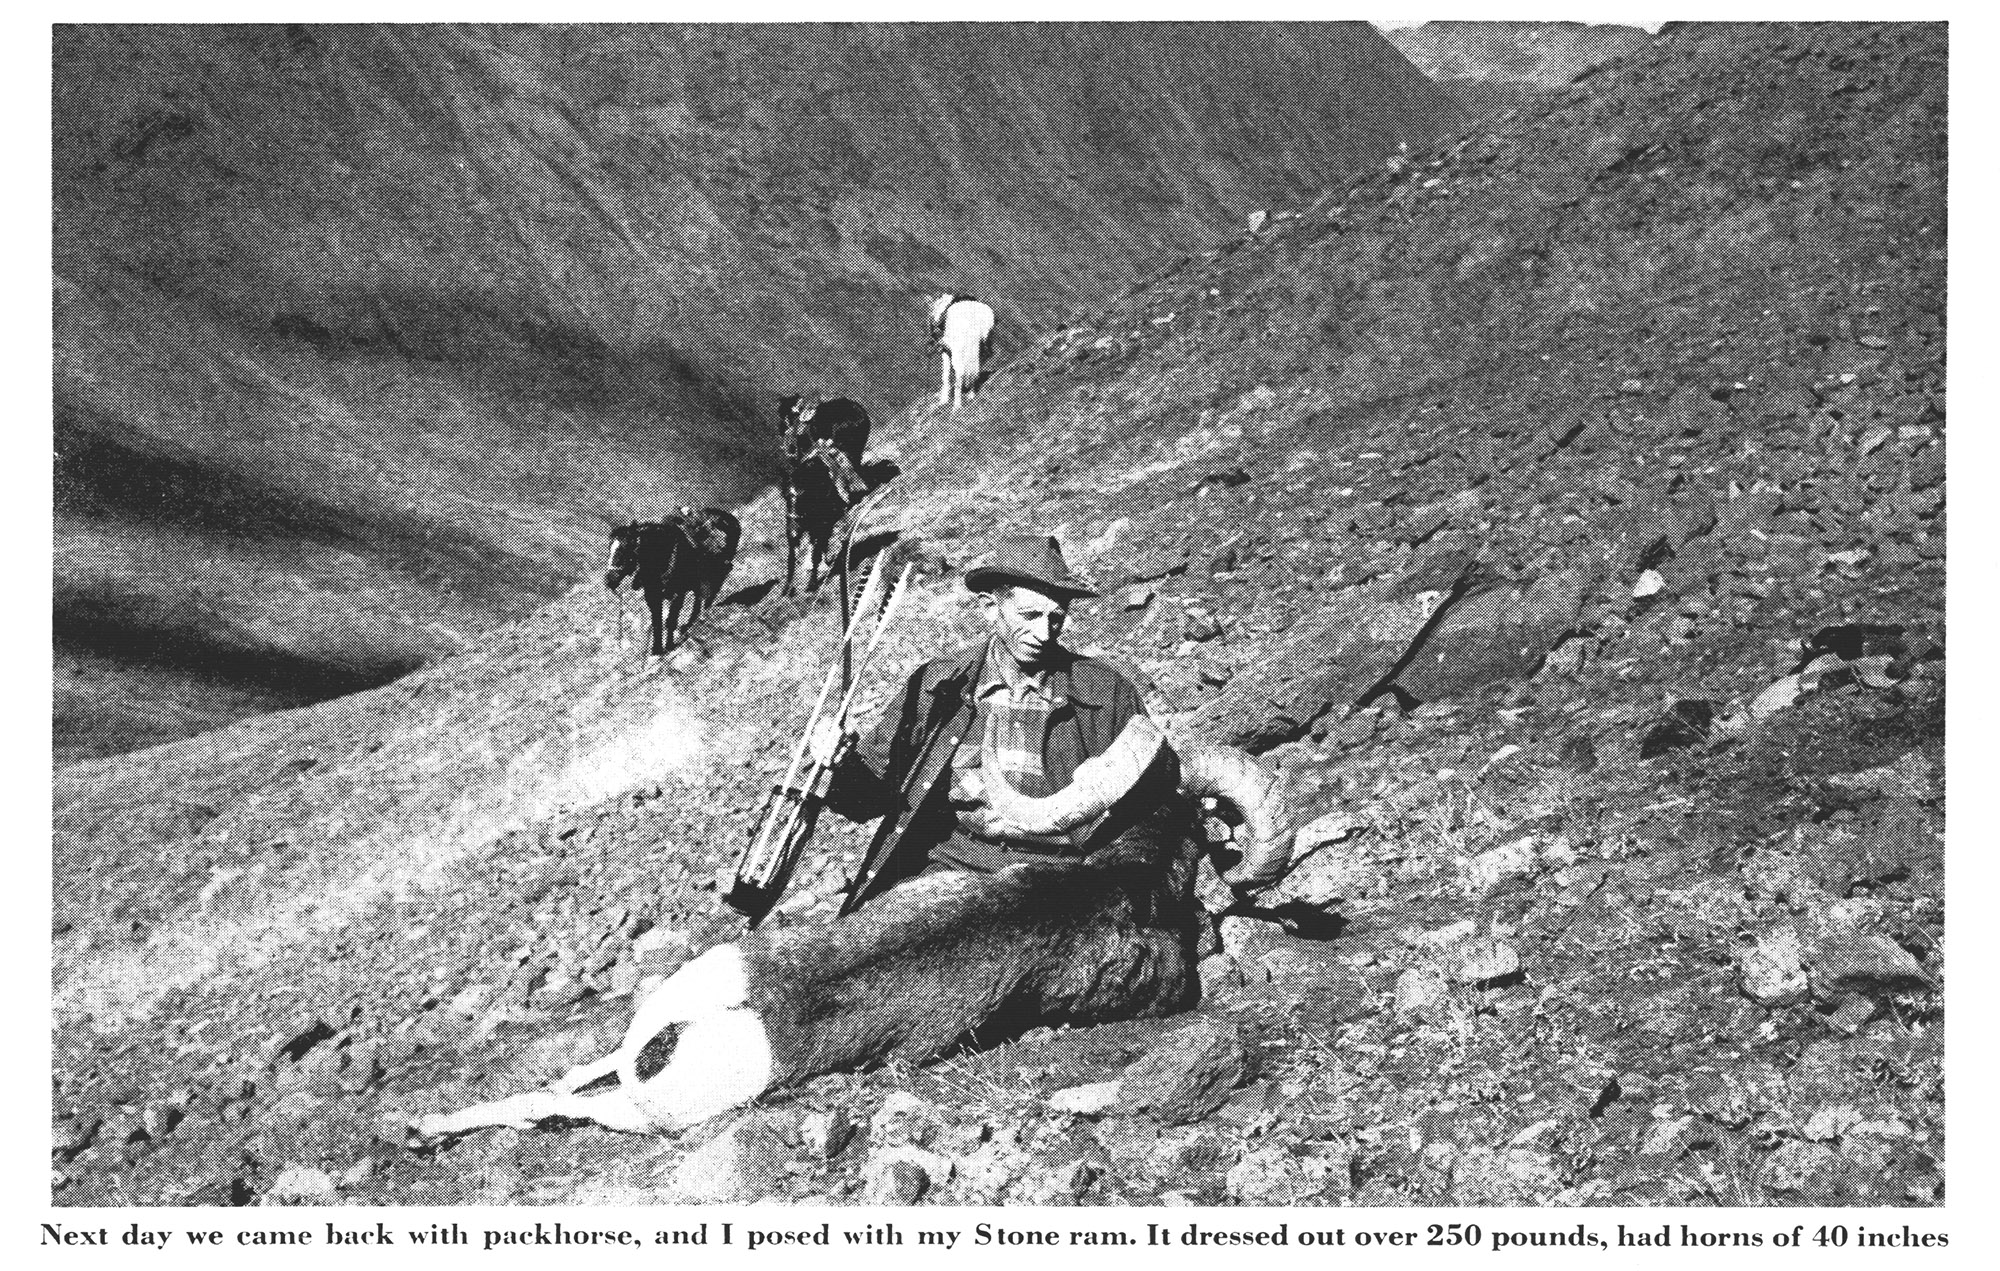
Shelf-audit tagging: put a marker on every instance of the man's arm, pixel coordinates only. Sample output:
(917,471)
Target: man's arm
(865,766)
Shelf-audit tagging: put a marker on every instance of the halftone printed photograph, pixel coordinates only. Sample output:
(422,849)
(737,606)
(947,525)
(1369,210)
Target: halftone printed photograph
(1127,615)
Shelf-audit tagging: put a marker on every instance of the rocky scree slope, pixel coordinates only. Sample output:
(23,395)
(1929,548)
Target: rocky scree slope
(1563,511)
(362,333)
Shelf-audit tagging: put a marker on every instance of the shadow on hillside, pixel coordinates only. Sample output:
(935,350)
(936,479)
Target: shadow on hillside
(192,640)
(750,595)
(98,476)
(539,358)
(869,546)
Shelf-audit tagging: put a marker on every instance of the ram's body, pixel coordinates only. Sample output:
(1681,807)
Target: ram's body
(949,958)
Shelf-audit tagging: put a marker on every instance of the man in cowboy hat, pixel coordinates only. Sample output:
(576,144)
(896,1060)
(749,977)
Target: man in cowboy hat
(1014,751)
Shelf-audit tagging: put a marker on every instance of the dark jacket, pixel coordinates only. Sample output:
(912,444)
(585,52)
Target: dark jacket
(900,770)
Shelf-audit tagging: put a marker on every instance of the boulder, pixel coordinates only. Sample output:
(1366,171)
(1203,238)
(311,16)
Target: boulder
(69,1136)
(825,1134)
(1496,632)
(1686,723)
(1432,939)
(1320,666)
(894,1181)
(743,1163)
(301,1185)
(903,1176)
(1798,1164)
(1188,1073)
(1092,1100)
(1496,865)
(1485,960)
(1420,991)
(1773,970)
(1267,1176)
(1666,1138)
(1329,876)
(1512,1176)
(1078,1178)
(1776,697)
(1220,976)
(1846,961)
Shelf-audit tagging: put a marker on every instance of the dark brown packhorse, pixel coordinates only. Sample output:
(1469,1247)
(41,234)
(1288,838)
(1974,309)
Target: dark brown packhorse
(822,443)
(686,554)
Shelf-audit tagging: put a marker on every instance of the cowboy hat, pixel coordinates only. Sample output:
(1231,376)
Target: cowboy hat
(1034,559)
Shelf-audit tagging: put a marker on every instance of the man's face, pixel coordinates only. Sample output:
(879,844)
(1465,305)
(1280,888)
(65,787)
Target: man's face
(1027,622)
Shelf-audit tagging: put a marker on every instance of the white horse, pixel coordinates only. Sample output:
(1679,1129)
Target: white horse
(960,329)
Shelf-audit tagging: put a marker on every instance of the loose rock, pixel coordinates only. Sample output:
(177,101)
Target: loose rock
(1420,990)
(1188,1073)
(301,1185)
(1092,1100)
(1773,971)
(1858,962)
(1482,961)
(744,1162)
(1515,1176)
(825,1134)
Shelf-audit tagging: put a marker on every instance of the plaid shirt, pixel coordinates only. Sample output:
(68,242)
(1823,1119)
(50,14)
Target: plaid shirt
(1013,709)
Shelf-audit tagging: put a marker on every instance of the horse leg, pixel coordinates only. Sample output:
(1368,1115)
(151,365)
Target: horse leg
(654,595)
(944,377)
(792,531)
(674,618)
(818,555)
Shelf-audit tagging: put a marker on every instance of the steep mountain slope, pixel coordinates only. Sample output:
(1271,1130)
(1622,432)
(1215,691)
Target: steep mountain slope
(1489,67)
(1562,510)
(362,332)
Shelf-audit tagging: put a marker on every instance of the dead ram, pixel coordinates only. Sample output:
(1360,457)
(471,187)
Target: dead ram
(944,960)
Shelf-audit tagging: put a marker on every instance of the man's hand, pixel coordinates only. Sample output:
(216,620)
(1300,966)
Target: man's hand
(828,742)
(968,801)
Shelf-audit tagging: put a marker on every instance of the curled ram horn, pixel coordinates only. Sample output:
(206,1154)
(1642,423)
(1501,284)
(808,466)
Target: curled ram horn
(1098,783)
(1257,794)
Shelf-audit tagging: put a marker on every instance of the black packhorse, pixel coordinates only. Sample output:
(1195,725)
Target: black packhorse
(822,443)
(686,554)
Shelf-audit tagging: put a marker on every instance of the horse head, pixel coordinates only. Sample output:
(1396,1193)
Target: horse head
(795,432)
(624,556)
(793,436)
